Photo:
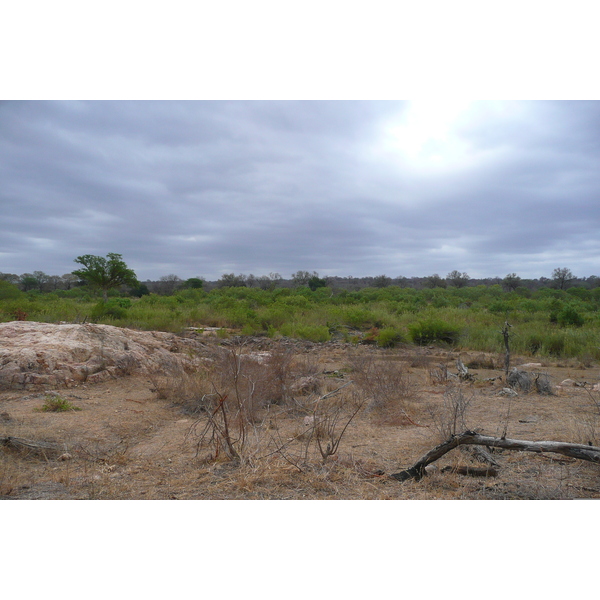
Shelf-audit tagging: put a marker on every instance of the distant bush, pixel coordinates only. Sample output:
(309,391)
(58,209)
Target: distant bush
(569,316)
(115,308)
(389,337)
(534,343)
(499,307)
(9,291)
(433,330)
(554,345)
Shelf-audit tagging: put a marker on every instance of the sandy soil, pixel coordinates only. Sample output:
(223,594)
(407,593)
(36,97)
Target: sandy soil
(129,441)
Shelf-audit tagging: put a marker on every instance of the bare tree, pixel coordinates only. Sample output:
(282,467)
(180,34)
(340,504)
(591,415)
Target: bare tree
(434,281)
(10,277)
(269,282)
(231,280)
(168,284)
(511,282)
(69,280)
(382,281)
(301,278)
(562,278)
(458,279)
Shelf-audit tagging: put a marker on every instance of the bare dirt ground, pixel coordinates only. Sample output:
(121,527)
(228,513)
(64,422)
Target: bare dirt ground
(134,438)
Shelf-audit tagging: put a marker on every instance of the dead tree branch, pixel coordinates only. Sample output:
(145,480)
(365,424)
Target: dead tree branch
(44,449)
(579,451)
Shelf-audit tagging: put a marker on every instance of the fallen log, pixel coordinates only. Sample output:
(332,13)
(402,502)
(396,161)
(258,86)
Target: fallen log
(44,449)
(579,451)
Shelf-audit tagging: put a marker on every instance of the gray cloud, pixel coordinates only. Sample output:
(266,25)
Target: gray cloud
(204,188)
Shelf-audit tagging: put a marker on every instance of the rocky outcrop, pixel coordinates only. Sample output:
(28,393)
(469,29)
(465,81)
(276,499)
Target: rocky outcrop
(66,354)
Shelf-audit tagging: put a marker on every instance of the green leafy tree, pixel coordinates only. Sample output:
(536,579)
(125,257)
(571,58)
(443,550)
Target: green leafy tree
(314,283)
(29,282)
(8,290)
(194,283)
(105,273)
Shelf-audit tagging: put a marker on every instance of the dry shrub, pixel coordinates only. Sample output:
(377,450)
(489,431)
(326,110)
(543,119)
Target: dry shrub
(279,369)
(244,385)
(482,361)
(439,375)
(387,388)
(188,390)
(421,361)
(451,417)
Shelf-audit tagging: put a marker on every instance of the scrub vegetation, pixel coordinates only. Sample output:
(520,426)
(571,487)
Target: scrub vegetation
(547,322)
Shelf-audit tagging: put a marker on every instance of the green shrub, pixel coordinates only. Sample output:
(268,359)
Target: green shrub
(389,337)
(499,307)
(57,404)
(554,344)
(433,330)
(9,291)
(313,333)
(114,309)
(569,316)
(534,343)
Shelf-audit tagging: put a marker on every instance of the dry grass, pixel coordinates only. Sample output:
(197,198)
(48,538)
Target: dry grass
(152,438)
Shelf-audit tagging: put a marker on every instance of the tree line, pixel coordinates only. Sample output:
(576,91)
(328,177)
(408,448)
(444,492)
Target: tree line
(112,272)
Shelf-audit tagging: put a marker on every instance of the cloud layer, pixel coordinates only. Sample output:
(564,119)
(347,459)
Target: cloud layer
(343,188)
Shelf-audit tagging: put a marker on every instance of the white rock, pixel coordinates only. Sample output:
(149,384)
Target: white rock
(49,353)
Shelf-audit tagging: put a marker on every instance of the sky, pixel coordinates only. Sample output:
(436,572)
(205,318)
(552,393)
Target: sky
(346,188)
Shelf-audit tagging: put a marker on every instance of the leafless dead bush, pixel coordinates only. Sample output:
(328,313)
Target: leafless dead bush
(420,361)
(439,375)
(451,417)
(183,388)
(322,430)
(386,387)
(482,361)
(243,386)
(331,421)
(585,429)
(279,366)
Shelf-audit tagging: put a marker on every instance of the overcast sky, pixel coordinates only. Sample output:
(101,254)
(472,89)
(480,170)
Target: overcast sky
(347,188)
